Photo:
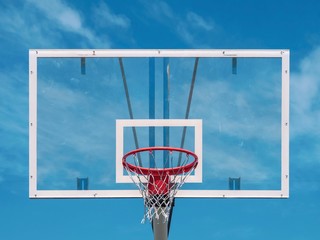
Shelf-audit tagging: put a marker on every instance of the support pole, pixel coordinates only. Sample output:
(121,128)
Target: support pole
(160,228)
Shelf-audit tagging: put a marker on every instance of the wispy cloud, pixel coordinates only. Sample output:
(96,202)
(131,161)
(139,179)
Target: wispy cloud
(55,24)
(67,19)
(304,119)
(60,12)
(24,28)
(190,27)
(246,105)
(241,116)
(159,11)
(222,161)
(305,91)
(13,124)
(105,17)
(197,21)
(74,135)
(76,124)
(235,112)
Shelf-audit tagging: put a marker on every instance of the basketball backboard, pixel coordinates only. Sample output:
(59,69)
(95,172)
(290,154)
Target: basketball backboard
(89,107)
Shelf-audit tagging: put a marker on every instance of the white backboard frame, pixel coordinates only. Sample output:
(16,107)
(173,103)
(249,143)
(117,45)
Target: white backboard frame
(34,55)
(122,123)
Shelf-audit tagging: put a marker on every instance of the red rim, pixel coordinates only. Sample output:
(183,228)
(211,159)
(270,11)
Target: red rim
(155,172)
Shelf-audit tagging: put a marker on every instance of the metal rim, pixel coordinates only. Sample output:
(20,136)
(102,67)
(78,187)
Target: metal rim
(156,172)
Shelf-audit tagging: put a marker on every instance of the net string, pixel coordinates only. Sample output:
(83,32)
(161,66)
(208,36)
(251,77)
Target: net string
(158,204)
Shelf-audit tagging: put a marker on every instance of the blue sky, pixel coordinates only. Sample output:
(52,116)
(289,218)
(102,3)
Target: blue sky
(141,24)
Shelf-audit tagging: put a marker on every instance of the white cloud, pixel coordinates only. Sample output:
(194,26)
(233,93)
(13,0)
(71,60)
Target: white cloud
(159,11)
(75,128)
(51,24)
(185,34)
(236,162)
(305,92)
(236,109)
(235,133)
(240,113)
(190,27)
(25,28)
(68,19)
(58,11)
(105,17)
(199,22)
(14,123)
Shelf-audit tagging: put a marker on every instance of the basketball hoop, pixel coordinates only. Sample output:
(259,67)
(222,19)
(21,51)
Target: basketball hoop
(158,182)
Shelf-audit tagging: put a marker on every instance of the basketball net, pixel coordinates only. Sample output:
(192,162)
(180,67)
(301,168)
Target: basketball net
(158,185)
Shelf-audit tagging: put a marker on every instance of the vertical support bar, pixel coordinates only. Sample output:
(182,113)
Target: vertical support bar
(166,101)
(83,66)
(231,184)
(234,183)
(82,183)
(79,184)
(152,104)
(237,184)
(234,65)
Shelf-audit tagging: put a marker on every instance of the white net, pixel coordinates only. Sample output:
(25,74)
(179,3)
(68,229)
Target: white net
(158,182)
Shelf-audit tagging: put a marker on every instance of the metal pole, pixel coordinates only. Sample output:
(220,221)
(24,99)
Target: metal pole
(188,105)
(160,228)
(124,79)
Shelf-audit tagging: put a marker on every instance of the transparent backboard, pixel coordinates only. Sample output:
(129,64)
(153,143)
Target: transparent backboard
(89,107)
